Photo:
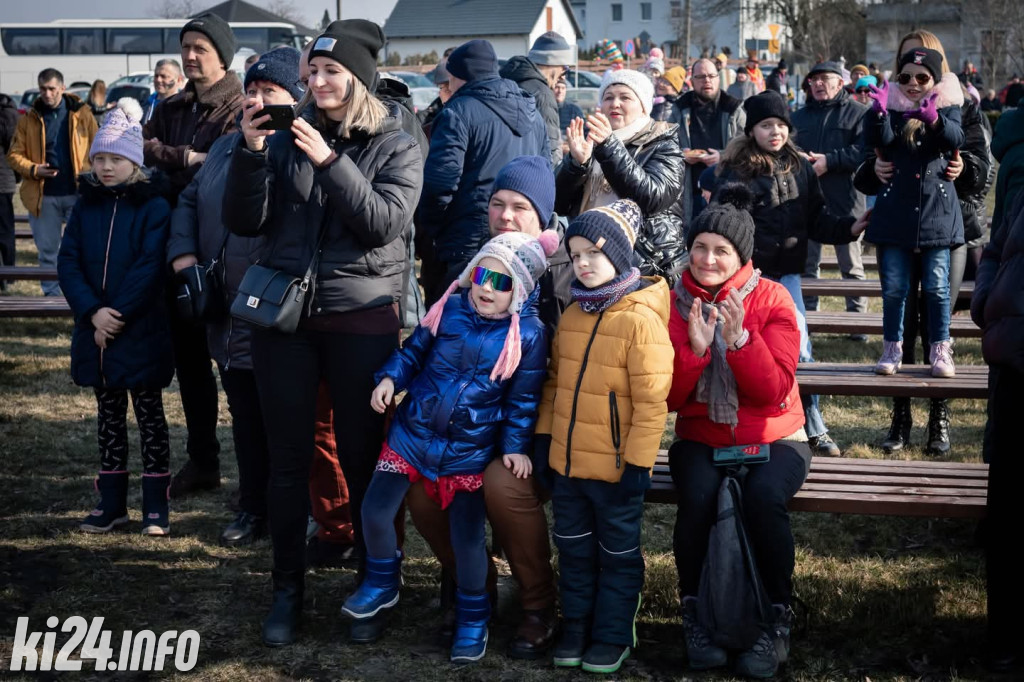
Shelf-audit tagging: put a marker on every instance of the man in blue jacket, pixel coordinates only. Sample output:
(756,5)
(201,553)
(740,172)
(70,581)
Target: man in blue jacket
(487,122)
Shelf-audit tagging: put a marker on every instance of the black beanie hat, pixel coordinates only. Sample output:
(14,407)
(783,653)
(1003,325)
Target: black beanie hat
(728,215)
(473,61)
(353,43)
(768,104)
(219,33)
(922,56)
(612,228)
(280,66)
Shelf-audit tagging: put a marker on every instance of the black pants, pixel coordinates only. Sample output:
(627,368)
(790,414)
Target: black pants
(288,369)
(7,247)
(1005,512)
(767,489)
(112,429)
(198,389)
(250,438)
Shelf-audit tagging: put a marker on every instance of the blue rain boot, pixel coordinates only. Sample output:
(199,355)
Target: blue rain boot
(112,510)
(472,614)
(155,512)
(378,591)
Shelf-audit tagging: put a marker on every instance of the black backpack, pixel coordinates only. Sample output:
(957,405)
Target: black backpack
(731,601)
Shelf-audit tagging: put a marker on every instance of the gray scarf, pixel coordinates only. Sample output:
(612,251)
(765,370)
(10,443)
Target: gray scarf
(717,385)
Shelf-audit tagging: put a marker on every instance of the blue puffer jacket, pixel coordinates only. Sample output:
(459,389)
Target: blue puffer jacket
(455,420)
(484,125)
(918,208)
(112,255)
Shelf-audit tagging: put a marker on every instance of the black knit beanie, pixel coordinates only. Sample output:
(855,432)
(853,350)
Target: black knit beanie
(353,43)
(473,61)
(922,56)
(768,104)
(613,229)
(219,33)
(728,215)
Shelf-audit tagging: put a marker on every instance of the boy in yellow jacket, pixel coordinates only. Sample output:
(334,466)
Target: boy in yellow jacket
(603,413)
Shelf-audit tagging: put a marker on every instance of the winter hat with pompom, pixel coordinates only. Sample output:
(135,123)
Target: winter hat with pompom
(121,133)
(526,259)
(728,215)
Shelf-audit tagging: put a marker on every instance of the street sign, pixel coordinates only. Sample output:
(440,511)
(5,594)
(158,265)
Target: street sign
(773,46)
(630,48)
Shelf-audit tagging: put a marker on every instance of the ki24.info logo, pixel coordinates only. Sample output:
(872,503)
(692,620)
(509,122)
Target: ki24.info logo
(89,643)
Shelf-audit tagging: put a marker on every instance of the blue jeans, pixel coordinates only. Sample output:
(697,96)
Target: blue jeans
(46,231)
(814,423)
(894,268)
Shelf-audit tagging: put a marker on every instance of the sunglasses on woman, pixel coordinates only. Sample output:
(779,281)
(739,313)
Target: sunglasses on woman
(499,281)
(921,78)
(863,91)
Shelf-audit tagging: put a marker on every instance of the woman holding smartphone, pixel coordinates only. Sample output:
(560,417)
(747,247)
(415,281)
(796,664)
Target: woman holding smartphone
(345,177)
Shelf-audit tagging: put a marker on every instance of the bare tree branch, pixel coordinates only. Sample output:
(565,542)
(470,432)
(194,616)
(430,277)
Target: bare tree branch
(174,9)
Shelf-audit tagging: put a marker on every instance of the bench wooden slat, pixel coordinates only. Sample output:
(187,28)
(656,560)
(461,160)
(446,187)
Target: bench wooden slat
(889,505)
(912,381)
(22,233)
(849,478)
(832,263)
(34,306)
(925,490)
(27,272)
(871,323)
(860,287)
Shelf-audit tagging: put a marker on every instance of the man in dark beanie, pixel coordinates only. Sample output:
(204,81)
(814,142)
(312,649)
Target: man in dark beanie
(537,73)
(177,139)
(487,122)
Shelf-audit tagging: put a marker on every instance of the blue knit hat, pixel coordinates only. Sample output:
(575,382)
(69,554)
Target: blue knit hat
(473,61)
(613,229)
(865,82)
(280,66)
(531,176)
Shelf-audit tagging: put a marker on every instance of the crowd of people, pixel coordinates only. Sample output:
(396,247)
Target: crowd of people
(583,276)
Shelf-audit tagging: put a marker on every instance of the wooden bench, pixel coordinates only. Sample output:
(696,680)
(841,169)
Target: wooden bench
(34,306)
(912,381)
(873,486)
(22,233)
(27,272)
(832,263)
(860,287)
(871,323)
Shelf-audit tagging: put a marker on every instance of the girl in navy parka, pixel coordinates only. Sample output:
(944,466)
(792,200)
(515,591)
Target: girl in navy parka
(917,215)
(111,269)
(474,370)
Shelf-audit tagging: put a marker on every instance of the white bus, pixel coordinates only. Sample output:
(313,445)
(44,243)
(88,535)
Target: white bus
(84,50)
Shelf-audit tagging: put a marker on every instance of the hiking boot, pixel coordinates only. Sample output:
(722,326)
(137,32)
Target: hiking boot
(321,553)
(780,631)
(244,530)
(892,358)
(155,511)
(938,428)
(378,591)
(942,359)
(191,479)
(112,509)
(824,446)
(759,661)
(899,430)
(572,643)
(534,636)
(605,658)
(472,615)
(701,652)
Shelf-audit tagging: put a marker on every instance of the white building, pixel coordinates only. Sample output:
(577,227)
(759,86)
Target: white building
(424,26)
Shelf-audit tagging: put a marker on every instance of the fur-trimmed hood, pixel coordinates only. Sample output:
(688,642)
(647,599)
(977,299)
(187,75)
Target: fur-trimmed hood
(948,87)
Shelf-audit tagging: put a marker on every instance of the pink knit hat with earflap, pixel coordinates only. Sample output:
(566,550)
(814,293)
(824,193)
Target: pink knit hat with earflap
(526,259)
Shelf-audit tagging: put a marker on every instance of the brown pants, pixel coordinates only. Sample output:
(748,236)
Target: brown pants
(515,509)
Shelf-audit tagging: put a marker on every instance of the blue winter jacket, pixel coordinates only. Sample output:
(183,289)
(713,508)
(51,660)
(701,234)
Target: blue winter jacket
(455,419)
(483,126)
(112,254)
(918,208)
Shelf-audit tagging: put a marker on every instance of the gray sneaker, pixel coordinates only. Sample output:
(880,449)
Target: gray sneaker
(759,661)
(702,653)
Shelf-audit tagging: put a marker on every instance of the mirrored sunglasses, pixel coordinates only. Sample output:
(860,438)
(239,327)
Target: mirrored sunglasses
(863,91)
(499,281)
(921,78)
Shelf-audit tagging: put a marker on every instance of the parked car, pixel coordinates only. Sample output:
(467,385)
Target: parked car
(421,88)
(413,79)
(582,79)
(27,98)
(584,98)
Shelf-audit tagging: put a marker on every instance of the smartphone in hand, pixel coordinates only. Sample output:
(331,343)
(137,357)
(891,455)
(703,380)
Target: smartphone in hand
(281,117)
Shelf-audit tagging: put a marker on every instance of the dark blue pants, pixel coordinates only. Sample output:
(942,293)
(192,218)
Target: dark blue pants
(767,489)
(466,518)
(600,566)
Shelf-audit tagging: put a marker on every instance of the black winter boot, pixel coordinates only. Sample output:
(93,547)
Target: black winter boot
(938,428)
(155,512)
(899,429)
(285,610)
(112,510)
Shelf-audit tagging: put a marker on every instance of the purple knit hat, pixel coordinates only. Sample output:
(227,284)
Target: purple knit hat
(120,134)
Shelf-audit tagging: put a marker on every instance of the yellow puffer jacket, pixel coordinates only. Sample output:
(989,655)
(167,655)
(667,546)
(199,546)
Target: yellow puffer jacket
(28,148)
(610,369)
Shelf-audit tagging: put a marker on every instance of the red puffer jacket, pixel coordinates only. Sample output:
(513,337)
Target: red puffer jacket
(765,368)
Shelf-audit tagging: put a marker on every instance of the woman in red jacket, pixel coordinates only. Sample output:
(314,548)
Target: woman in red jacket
(734,383)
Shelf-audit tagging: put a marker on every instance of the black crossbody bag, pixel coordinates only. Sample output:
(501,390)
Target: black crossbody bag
(200,293)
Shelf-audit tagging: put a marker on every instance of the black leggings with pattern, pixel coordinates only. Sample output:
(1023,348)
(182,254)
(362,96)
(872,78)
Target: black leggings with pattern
(112,429)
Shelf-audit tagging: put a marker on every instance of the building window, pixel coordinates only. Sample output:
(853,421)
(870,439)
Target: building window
(645,11)
(676,9)
(616,11)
